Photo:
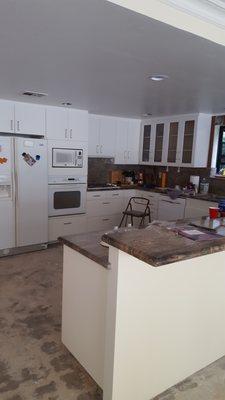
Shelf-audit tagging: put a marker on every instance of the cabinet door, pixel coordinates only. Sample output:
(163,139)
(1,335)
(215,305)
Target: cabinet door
(57,123)
(188,142)
(107,136)
(173,143)
(170,210)
(78,125)
(67,225)
(6,116)
(93,136)
(159,139)
(133,142)
(146,141)
(121,156)
(29,119)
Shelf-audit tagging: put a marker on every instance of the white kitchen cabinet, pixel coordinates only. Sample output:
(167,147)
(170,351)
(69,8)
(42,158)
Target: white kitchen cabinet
(78,125)
(66,124)
(29,119)
(57,123)
(6,116)
(102,136)
(170,210)
(121,156)
(198,208)
(66,225)
(104,223)
(127,141)
(181,141)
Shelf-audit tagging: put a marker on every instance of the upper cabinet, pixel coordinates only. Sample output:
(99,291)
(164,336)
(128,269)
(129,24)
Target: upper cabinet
(29,119)
(102,136)
(176,141)
(114,137)
(66,124)
(127,141)
(22,118)
(6,116)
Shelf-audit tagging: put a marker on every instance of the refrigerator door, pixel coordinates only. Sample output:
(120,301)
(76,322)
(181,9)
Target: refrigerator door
(31,191)
(7,204)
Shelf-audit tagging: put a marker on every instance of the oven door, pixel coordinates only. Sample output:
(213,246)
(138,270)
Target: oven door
(66,199)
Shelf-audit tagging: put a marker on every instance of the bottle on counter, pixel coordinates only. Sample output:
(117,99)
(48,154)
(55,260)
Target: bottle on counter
(204,186)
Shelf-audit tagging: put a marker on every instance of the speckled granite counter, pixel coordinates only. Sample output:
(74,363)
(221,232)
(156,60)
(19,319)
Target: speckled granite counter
(89,245)
(205,197)
(159,246)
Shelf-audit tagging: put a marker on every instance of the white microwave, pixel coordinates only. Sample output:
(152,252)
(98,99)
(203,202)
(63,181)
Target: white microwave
(67,158)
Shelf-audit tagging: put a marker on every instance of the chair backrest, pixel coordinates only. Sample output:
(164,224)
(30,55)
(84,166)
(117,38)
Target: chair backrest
(138,204)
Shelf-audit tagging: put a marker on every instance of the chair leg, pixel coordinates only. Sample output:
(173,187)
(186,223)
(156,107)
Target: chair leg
(121,222)
(132,220)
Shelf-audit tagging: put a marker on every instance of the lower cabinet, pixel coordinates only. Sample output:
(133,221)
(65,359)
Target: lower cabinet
(170,210)
(198,208)
(66,225)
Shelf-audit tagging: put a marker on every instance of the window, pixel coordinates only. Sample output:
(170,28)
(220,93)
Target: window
(220,162)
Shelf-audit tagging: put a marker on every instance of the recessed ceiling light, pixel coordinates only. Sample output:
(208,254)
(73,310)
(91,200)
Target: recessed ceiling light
(66,104)
(158,78)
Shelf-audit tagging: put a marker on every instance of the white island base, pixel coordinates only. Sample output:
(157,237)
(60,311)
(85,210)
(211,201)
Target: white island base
(138,329)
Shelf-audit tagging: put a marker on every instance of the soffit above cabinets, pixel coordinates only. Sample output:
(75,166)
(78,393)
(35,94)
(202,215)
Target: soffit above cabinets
(212,11)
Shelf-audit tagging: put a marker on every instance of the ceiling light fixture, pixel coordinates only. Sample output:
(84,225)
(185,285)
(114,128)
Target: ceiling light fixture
(158,78)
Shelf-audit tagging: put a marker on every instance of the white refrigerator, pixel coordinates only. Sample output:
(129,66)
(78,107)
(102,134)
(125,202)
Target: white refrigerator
(23,192)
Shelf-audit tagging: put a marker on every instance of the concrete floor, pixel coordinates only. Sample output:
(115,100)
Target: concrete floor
(33,362)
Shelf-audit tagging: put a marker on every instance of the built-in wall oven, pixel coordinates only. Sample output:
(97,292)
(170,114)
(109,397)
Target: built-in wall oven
(66,195)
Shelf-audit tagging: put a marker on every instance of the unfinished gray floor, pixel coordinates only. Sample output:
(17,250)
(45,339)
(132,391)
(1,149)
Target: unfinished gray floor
(33,362)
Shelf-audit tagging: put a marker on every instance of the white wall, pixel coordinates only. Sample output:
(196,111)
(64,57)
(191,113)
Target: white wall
(163,324)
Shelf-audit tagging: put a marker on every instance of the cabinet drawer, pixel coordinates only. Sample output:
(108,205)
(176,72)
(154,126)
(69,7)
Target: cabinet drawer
(114,194)
(100,207)
(69,225)
(101,194)
(103,223)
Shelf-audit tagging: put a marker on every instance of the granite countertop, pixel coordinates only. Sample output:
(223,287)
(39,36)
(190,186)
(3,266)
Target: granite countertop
(157,246)
(205,197)
(89,245)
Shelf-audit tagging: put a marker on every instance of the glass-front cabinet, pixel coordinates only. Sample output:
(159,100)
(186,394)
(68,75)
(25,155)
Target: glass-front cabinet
(180,141)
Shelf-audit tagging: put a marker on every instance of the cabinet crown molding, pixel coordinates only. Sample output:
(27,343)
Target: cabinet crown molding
(212,11)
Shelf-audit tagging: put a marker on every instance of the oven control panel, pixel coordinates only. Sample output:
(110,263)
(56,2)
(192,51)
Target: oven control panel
(67,179)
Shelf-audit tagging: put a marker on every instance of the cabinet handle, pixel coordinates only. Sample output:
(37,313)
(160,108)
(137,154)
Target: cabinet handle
(67,223)
(18,126)
(71,133)
(97,148)
(115,194)
(105,203)
(101,149)
(125,156)
(96,195)
(66,134)
(105,219)
(128,154)
(11,125)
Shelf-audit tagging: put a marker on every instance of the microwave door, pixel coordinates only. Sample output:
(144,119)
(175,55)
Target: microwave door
(63,158)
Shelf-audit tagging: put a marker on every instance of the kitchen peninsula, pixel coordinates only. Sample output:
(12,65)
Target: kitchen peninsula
(145,313)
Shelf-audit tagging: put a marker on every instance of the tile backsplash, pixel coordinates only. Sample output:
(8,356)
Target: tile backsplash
(99,168)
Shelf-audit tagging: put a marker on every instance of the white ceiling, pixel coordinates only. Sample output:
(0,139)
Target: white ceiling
(98,56)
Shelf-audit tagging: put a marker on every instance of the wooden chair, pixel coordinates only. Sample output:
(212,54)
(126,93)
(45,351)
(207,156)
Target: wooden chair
(138,202)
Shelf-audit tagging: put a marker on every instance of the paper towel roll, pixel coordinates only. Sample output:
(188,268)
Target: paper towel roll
(195,179)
